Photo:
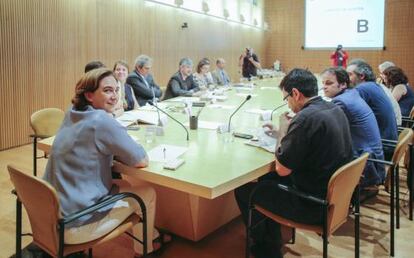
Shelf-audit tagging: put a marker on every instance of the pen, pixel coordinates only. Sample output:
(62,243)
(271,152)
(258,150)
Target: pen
(165,153)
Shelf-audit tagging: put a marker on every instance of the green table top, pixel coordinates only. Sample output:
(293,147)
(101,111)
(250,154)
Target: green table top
(213,165)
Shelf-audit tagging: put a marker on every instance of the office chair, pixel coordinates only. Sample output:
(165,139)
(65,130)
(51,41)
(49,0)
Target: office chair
(45,123)
(408,122)
(343,183)
(392,182)
(47,223)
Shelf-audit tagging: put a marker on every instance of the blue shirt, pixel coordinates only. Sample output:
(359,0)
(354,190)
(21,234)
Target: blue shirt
(79,166)
(406,102)
(376,99)
(364,132)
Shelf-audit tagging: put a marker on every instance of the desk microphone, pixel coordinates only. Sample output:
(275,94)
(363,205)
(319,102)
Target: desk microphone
(247,98)
(152,104)
(271,114)
(154,100)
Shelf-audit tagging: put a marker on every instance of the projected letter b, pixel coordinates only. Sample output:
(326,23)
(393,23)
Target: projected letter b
(362,26)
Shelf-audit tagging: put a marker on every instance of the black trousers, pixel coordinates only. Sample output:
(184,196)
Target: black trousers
(267,236)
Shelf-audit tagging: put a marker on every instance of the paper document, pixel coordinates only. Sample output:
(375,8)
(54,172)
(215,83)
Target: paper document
(148,107)
(245,94)
(269,148)
(125,123)
(265,114)
(221,106)
(184,99)
(165,152)
(219,98)
(206,125)
(257,111)
(148,117)
(242,85)
(264,141)
(268,88)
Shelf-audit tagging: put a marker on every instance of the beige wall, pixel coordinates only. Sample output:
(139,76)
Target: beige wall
(286,36)
(46,43)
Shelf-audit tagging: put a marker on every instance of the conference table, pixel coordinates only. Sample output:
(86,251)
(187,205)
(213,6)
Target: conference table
(197,198)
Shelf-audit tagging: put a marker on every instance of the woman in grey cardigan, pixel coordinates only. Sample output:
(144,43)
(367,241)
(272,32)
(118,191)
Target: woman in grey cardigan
(79,167)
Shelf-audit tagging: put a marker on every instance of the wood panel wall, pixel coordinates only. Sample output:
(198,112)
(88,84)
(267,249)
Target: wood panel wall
(286,36)
(46,43)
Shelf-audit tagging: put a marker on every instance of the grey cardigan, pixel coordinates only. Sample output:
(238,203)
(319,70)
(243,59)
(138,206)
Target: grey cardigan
(79,166)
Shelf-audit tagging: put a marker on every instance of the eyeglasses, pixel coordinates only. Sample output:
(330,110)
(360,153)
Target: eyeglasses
(289,94)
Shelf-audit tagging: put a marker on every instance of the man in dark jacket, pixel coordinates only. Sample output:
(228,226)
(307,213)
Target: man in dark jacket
(142,81)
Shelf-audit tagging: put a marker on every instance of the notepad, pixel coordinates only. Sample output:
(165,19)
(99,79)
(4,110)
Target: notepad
(173,164)
(165,152)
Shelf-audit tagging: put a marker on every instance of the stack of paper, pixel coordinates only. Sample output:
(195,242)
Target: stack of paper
(147,117)
(206,125)
(265,114)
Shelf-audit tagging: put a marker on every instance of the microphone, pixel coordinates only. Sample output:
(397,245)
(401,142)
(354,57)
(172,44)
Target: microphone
(278,107)
(247,98)
(154,100)
(152,104)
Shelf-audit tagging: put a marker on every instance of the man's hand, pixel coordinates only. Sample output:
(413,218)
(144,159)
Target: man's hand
(284,122)
(270,130)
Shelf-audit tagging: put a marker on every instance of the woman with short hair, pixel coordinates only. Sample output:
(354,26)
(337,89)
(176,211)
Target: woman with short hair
(79,166)
(395,78)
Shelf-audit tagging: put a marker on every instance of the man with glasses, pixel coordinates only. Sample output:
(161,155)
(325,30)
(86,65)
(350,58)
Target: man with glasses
(142,81)
(182,82)
(316,144)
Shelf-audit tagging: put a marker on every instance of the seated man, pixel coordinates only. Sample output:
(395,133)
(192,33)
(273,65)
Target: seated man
(364,128)
(142,81)
(317,143)
(220,76)
(362,77)
(182,82)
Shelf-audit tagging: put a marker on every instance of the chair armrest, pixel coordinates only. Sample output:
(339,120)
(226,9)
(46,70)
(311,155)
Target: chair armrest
(112,199)
(389,145)
(303,195)
(288,189)
(408,122)
(380,161)
(39,136)
(386,141)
